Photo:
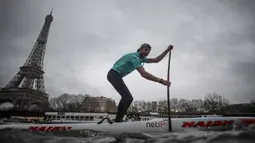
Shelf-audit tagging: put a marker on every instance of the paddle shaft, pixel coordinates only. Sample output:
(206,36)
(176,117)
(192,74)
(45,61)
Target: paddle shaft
(168,94)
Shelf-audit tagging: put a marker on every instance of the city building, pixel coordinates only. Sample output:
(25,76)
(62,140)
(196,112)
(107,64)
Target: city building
(98,104)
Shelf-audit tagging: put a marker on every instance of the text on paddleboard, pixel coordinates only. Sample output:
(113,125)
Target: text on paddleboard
(208,123)
(50,128)
(155,124)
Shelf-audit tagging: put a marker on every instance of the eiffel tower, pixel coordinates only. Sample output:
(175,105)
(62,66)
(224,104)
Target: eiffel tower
(27,89)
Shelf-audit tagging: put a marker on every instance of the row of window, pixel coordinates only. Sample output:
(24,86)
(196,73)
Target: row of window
(54,117)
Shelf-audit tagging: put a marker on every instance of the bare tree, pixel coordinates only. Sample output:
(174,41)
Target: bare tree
(66,102)
(174,104)
(183,105)
(215,103)
(76,102)
(196,105)
(200,105)
(55,104)
(132,109)
(148,106)
(162,106)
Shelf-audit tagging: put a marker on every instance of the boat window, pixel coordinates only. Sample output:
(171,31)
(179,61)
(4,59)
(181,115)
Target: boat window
(62,117)
(67,117)
(77,117)
(82,117)
(72,117)
(101,117)
(91,118)
(58,117)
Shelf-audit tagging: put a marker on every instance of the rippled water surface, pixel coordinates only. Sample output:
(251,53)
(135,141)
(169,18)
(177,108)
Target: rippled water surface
(247,136)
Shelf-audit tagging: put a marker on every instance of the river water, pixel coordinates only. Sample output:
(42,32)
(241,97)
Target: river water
(244,136)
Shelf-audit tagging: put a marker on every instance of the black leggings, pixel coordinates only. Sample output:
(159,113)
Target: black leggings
(126,98)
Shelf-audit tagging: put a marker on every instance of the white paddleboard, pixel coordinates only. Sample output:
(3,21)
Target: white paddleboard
(152,126)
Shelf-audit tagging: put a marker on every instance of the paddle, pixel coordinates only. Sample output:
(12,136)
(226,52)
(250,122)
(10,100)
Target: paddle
(168,94)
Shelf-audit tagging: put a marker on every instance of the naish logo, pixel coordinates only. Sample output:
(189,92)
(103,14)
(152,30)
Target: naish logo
(155,124)
(247,122)
(207,123)
(49,128)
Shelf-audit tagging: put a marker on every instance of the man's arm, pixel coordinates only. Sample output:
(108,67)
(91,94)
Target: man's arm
(160,57)
(147,75)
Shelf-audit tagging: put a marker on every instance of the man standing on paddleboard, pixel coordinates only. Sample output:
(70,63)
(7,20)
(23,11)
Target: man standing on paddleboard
(127,64)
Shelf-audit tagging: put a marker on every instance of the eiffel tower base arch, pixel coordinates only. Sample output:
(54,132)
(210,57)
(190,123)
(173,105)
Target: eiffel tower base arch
(25,99)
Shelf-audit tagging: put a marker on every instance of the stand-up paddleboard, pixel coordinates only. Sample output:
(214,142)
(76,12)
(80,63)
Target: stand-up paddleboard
(152,126)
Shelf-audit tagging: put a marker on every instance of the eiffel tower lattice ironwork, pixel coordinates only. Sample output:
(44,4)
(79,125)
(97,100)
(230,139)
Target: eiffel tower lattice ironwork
(27,87)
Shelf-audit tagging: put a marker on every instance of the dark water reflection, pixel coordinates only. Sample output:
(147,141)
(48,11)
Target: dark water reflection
(17,136)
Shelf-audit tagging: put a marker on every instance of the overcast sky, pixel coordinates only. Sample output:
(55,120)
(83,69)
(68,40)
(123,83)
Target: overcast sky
(214,45)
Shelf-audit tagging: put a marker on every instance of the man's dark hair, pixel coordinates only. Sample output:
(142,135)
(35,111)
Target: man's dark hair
(144,45)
